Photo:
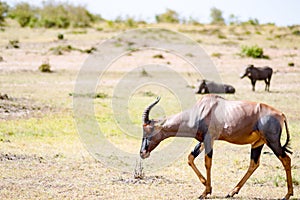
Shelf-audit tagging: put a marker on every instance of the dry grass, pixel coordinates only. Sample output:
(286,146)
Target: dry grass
(41,156)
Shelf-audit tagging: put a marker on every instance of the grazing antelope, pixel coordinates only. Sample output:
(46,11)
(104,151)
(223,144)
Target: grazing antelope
(214,118)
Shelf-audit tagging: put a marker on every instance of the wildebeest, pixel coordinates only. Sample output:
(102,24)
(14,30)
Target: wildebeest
(206,87)
(214,118)
(258,73)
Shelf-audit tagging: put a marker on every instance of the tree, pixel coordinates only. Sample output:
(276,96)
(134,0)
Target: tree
(233,19)
(3,11)
(170,16)
(23,13)
(216,16)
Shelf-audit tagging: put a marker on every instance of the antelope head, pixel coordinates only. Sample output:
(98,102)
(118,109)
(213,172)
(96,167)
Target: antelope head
(152,132)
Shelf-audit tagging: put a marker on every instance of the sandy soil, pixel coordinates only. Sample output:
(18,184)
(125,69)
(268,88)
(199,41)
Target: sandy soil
(61,168)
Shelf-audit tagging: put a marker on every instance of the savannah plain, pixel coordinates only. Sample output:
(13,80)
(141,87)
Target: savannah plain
(41,153)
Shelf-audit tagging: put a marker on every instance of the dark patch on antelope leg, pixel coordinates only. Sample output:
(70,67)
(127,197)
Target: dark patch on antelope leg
(196,150)
(255,153)
(210,154)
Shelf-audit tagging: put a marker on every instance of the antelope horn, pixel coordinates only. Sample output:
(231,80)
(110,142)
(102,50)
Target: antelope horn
(147,111)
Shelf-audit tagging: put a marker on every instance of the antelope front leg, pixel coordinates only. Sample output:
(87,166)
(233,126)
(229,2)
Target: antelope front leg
(254,163)
(197,150)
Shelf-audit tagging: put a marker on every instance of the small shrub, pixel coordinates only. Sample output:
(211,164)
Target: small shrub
(90,50)
(216,16)
(296,32)
(138,171)
(291,64)
(170,16)
(220,36)
(229,43)
(149,94)
(4,8)
(23,13)
(79,32)
(110,23)
(253,22)
(144,73)
(253,51)
(100,95)
(130,22)
(160,56)
(45,67)
(189,55)
(247,33)
(60,49)
(60,36)
(273,47)
(14,44)
(4,97)
(218,55)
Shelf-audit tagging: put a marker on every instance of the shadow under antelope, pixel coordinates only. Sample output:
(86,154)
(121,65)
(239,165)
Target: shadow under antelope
(214,118)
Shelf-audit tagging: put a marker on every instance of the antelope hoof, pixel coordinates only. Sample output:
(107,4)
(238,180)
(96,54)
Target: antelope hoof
(232,193)
(205,193)
(287,197)
(202,196)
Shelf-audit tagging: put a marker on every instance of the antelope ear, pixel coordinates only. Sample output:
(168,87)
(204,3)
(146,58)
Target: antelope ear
(162,122)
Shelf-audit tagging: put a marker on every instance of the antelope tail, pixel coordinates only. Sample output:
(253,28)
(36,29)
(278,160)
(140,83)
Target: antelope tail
(286,147)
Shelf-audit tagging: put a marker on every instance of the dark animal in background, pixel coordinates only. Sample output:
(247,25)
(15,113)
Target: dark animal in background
(206,87)
(215,118)
(258,73)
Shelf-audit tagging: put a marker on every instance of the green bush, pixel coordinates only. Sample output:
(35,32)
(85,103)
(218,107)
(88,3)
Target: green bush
(218,55)
(170,16)
(130,22)
(23,13)
(252,51)
(253,22)
(296,32)
(216,16)
(58,50)
(60,36)
(3,11)
(14,44)
(45,67)
(160,56)
(52,15)
(291,64)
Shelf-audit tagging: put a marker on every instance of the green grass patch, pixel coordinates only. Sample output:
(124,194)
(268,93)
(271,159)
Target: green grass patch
(159,56)
(253,51)
(49,126)
(60,50)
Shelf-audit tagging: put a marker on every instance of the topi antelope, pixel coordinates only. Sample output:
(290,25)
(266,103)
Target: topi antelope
(214,118)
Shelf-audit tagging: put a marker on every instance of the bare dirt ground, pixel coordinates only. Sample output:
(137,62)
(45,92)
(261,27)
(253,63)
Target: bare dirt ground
(42,157)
